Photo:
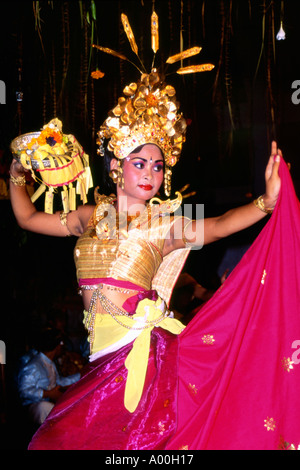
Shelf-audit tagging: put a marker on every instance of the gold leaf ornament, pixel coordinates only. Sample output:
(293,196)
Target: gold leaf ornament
(130,90)
(129,33)
(195,68)
(110,51)
(184,55)
(154,32)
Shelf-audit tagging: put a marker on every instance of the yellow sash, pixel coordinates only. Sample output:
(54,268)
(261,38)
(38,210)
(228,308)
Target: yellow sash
(149,314)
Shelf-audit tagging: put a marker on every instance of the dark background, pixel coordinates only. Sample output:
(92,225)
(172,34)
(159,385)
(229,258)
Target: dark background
(234,112)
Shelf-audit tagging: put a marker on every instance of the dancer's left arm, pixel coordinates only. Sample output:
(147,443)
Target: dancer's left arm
(204,231)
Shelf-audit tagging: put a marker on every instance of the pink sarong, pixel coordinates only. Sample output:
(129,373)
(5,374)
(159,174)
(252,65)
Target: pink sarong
(239,358)
(231,379)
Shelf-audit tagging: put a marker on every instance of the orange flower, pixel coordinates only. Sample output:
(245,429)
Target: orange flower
(47,136)
(97,74)
(151,99)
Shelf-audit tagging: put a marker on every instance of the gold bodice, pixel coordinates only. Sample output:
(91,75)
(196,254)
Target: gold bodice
(134,255)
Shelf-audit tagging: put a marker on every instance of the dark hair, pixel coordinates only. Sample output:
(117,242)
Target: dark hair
(109,187)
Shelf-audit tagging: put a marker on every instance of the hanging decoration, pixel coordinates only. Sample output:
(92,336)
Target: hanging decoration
(56,161)
(281,33)
(154,43)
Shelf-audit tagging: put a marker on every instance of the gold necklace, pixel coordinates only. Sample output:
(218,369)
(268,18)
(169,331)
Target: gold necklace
(109,224)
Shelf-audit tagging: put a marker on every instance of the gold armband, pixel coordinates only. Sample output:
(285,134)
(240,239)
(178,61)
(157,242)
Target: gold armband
(63,220)
(18,181)
(184,239)
(259,203)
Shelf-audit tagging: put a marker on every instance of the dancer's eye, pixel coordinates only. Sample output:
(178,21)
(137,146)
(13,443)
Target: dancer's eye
(158,167)
(139,165)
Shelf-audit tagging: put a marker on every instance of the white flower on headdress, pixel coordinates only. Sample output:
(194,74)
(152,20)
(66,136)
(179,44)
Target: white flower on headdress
(113,122)
(281,33)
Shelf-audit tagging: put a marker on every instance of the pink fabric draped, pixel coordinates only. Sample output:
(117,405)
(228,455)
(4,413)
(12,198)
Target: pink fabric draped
(231,379)
(92,416)
(239,358)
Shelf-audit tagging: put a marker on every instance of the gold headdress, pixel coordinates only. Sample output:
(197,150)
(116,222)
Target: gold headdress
(148,112)
(56,160)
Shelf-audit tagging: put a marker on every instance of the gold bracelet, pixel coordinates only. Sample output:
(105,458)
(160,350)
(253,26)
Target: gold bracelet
(184,239)
(19,181)
(63,220)
(259,203)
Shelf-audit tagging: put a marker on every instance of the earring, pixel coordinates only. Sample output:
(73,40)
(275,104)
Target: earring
(113,174)
(167,181)
(117,175)
(120,178)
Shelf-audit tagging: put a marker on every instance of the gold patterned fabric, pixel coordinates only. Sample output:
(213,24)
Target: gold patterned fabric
(135,255)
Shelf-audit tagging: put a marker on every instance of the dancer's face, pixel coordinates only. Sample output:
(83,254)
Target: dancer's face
(143,174)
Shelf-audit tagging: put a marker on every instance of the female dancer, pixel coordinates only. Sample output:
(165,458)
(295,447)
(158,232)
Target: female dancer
(128,257)
(153,383)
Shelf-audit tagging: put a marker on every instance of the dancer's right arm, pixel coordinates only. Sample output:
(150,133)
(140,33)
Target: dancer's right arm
(35,221)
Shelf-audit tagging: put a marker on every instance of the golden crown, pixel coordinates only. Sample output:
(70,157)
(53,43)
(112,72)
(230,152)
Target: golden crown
(148,111)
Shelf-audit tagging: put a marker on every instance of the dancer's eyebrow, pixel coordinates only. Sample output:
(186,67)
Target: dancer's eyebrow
(145,160)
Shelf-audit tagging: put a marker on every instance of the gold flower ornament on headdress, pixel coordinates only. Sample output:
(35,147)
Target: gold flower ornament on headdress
(148,111)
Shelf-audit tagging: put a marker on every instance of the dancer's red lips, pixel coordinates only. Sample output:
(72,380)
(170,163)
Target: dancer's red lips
(146,187)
